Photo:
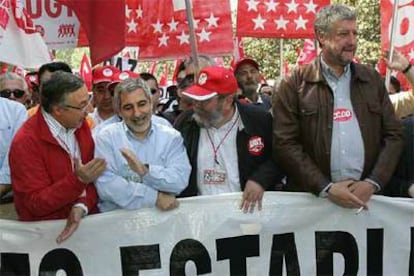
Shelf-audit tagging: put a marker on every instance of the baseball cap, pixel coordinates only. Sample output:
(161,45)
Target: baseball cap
(243,61)
(212,81)
(121,76)
(31,79)
(104,73)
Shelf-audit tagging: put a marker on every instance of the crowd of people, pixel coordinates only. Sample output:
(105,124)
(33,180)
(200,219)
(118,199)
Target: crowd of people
(330,128)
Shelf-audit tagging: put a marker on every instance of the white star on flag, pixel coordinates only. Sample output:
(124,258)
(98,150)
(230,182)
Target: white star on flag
(292,6)
(411,54)
(259,22)
(139,12)
(132,26)
(252,5)
(300,23)
(127,11)
(184,38)
(173,25)
(157,27)
(310,7)
(281,23)
(204,35)
(212,21)
(271,6)
(163,40)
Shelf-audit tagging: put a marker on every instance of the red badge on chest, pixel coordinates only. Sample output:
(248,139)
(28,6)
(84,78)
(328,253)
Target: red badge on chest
(342,115)
(256,145)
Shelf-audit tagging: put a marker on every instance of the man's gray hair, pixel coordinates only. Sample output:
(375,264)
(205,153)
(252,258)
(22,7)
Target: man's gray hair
(12,76)
(330,14)
(128,86)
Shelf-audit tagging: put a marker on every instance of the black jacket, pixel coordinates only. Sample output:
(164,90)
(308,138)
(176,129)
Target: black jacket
(260,168)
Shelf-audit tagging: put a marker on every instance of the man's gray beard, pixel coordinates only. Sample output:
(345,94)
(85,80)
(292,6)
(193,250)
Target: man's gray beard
(204,123)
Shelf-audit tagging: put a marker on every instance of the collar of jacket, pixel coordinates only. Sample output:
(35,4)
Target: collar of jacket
(313,71)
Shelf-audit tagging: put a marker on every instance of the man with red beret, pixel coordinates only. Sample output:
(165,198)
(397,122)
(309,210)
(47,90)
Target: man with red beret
(229,144)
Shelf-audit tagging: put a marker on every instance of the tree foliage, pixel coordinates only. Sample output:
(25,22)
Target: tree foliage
(267,51)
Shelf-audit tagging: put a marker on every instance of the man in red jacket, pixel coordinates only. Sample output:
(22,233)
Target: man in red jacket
(51,158)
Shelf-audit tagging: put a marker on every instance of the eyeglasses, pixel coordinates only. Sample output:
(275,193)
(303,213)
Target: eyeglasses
(83,108)
(6,93)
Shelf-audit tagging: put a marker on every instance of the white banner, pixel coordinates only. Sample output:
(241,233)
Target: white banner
(57,23)
(294,234)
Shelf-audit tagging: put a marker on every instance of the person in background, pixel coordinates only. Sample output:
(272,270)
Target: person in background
(402,182)
(51,157)
(248,77)
(229,144)
(152,83)
(335,131)
(403,101)
(147,162)
(33,88)
(102,98)
(14,87)
(13,115)
(266,90)
(44,73)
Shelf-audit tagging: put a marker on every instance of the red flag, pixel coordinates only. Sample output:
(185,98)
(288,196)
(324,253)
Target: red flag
(164,33)
(403,39)
(101,21)
(238,51)
(271,18)
(177,63)
(308,52)
(164,77)
(4,68)
(20,43)
(152,67)
(85,71)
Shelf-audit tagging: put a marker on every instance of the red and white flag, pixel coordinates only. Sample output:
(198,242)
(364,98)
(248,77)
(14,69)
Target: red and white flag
(164,77)
(20,43)
(101,21)
(282,19)
(153,67)
(238,51)
(85,71)
(161,32)
(307,53)
(403,38)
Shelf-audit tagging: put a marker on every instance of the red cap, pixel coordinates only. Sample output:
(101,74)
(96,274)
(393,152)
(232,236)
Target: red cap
(212,81)
(104,73)
(31,79)
(121,76)
(243,61)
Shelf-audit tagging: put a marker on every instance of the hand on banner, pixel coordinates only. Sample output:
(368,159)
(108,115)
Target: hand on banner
(72,224)
(363,190)
(133,162)
(253,193)
(90,171)
(166,201)
(340,193)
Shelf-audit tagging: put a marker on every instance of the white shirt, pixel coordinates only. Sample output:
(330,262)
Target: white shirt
(12,117)
(226,156)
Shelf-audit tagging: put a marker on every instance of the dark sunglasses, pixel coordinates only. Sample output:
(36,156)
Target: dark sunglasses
(6,93)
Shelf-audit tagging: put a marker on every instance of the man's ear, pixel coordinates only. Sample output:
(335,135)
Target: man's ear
(56,110)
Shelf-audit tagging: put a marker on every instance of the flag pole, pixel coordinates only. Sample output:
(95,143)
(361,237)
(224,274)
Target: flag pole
(282,74)
(392,37)
(193,42)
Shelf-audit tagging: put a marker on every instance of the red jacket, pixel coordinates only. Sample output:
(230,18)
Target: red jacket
(43,181)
